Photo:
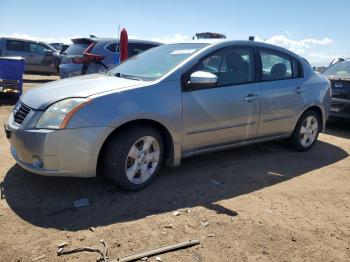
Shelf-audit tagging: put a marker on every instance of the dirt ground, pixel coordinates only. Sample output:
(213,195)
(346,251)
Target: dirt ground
(259,203)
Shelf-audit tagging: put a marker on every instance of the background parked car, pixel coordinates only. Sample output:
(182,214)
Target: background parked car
(60,46)
(93,55)
(57,46)
(336,60)
(339,75)
(40,57)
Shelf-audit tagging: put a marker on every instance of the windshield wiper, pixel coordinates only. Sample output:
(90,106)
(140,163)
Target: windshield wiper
(106,73)
(128,76)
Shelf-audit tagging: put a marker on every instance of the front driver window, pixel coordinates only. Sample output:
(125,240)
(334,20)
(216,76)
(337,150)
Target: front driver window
(36,48)
(231,65)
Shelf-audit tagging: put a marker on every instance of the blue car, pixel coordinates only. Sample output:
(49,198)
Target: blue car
(93,55)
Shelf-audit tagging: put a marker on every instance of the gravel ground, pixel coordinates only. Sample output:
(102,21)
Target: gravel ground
(258,203)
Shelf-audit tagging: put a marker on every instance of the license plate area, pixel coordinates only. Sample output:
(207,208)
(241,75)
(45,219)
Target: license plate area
(337,107)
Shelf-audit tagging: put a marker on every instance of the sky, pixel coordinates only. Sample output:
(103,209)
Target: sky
(317,30)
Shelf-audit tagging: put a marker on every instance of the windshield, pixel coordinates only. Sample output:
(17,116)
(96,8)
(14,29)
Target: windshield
(341,70)
(156,62)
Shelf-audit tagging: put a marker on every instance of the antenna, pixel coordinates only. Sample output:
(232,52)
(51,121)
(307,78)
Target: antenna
(117,47)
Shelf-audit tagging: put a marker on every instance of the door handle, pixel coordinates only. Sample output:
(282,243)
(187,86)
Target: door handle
(250,97)
(298,90)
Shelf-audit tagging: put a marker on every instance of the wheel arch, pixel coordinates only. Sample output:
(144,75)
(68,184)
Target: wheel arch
(317,109)
(164,132)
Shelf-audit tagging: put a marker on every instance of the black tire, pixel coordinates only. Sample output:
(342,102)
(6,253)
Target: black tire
(116,154)
(295,139)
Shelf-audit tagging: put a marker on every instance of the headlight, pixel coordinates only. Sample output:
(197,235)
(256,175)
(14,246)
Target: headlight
(58,114)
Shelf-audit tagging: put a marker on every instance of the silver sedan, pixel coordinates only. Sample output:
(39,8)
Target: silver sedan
(168,103)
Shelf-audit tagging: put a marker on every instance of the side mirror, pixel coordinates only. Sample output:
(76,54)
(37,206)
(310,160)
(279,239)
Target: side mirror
(201,78)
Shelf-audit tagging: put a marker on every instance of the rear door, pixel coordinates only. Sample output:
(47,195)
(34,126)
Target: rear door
(282,92)
(226,112)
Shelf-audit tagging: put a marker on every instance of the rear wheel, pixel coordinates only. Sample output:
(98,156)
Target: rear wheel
(133,158)
(306,131)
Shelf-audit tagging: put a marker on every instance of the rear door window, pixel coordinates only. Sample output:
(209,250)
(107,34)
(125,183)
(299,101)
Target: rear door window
(113,47)
(275,65)
(76,49)
(15,45)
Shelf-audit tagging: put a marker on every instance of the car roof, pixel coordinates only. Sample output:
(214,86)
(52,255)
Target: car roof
(231,42)
(111,39)
(224,42)
(24,40)
(201,41)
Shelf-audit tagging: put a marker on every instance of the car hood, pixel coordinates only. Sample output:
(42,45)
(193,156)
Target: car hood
(82,86)
(337,77)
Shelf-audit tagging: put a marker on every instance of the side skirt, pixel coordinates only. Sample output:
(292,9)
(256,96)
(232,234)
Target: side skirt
(232,145)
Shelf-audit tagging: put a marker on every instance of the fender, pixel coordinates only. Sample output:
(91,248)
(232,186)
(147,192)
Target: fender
(307,107)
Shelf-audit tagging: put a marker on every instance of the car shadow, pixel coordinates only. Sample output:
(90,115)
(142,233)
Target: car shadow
(338,127)
(8,100)
(200,181)
(38,80)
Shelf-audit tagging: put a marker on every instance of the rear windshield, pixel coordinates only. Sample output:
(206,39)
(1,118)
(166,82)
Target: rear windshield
(76,49)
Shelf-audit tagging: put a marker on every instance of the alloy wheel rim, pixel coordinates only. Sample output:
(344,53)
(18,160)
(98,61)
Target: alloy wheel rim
(308,131)
(142,160)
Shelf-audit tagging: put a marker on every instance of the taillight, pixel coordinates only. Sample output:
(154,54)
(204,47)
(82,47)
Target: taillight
(92,57)
(88,49)
(87,57)
(78,60)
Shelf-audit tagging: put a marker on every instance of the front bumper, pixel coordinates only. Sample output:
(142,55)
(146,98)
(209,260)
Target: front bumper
(67,152)
(340,108)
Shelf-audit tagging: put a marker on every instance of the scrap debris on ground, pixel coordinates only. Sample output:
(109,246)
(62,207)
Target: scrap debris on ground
(103,253)
(140,255)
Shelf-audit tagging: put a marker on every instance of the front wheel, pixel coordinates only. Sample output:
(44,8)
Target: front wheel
(306,131)
(133,158)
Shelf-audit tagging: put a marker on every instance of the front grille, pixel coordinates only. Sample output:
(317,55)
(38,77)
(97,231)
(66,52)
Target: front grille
(340,89)
(20,112)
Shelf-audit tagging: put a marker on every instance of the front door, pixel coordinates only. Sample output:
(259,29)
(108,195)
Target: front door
(38,58)
(227,111)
